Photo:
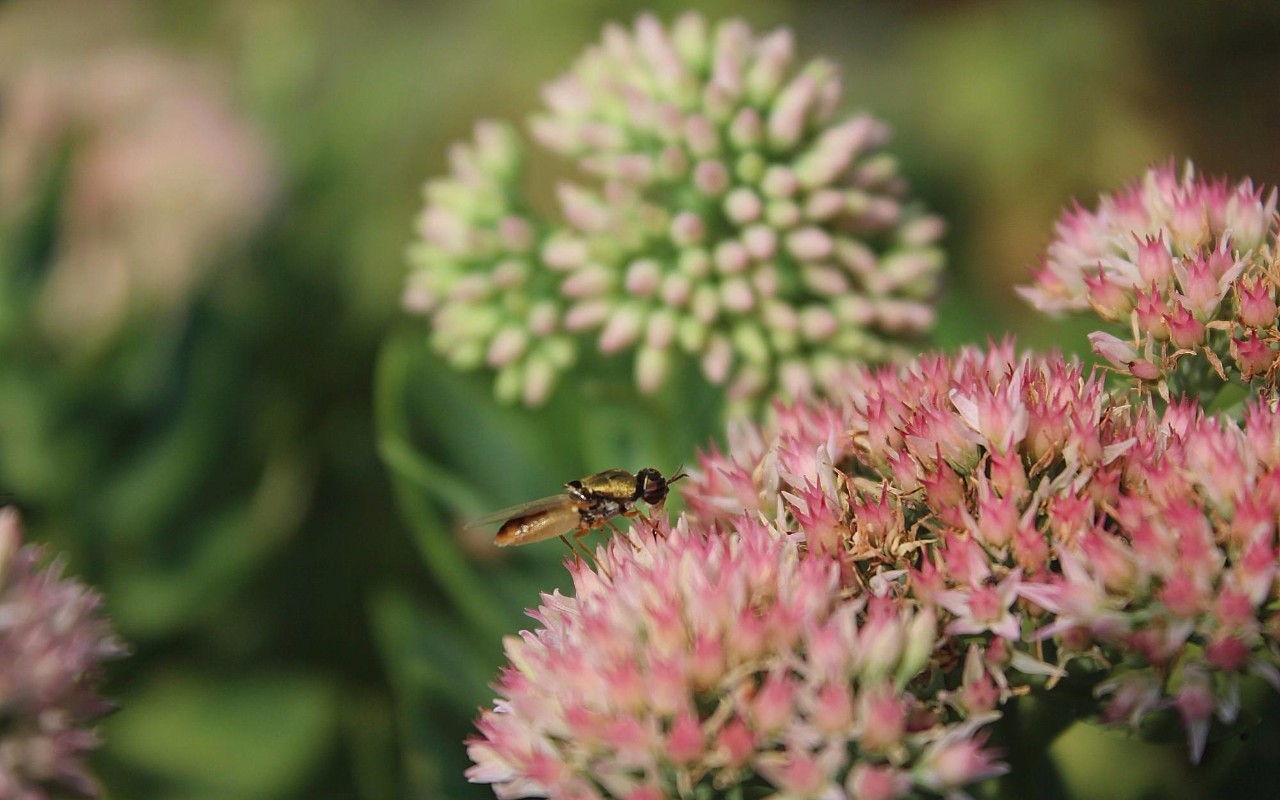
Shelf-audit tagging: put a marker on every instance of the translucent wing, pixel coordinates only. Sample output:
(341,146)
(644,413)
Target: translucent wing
(539,526)
(541,505)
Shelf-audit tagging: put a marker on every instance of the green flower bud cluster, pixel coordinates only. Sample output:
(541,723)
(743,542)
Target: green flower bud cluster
(734,217)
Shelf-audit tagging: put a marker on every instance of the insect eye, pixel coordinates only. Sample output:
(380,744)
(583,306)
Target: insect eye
(655,490)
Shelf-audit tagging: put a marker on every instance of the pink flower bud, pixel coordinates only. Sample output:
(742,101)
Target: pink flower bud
(685,743)
(1256,304)
(676,288)
(673,163)
(742,205)
(712,178)
(884,720)
(1123,356)
(809,244)
(953,763)
(1154,261)
(1185,331)
(772,707)
(539,379)
(747,129)
(773,57)
(1111,299)
(735,743)
(790,113)
(652,365)
(799,775)
(508,345)
(1150,310)
(623,328)
(1253,356)
(737,296)
(1195,702)
(590,281)
(779,183)
(877,782)
(761,241)
(732,257)
(701,135)
(1226,653)
(1199,287)
(833,707)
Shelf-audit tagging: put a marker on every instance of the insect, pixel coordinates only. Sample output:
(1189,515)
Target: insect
(583,506)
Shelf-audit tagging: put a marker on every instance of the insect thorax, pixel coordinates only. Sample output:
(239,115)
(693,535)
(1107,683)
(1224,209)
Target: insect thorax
(599,508)
(603,495)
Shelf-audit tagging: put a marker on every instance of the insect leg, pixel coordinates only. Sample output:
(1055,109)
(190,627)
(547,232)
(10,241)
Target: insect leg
(651,520)
(577,558)
(583,529)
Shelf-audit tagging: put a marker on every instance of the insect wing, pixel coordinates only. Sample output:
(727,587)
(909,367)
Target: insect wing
(539,525)
(542,504)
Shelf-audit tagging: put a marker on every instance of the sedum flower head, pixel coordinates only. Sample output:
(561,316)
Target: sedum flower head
(1187,266)
(739,217)
(730,214)
(693,660)
(157,175)
(1047,526)
(478,271)
(53,641)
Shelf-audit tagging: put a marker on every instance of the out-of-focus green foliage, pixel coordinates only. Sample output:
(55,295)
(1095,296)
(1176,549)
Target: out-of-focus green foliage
(308,616)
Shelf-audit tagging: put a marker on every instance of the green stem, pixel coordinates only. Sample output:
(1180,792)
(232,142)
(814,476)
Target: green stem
(412,477)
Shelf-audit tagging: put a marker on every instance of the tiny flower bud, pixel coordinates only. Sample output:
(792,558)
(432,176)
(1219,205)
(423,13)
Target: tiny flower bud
(1109,297)
(1185,331)
(1257,306)
(1253,356)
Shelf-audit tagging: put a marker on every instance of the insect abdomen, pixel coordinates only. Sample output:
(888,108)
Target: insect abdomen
(538,526)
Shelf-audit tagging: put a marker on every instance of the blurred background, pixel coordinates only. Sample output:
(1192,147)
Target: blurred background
(204,208)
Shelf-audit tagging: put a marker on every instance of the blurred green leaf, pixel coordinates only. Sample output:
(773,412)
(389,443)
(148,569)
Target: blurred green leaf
(370,742)
(226,738)
(427,650)
(154,593)
(440,673)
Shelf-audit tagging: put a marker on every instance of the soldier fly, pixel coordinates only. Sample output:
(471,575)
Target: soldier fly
(583,506)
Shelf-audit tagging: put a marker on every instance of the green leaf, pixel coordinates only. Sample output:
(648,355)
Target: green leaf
(155,591)
(370,740)
(1228,398)
(256,737)
(439,675)
(429,652)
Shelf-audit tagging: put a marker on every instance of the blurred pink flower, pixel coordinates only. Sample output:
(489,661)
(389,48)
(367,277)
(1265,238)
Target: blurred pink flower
(53,641)
(162,179)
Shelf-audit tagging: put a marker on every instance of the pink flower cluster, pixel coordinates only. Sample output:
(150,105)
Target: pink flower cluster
(1043,522)
(158,178)
(863,584)
(1187,265)
(53,640)
(693,658)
